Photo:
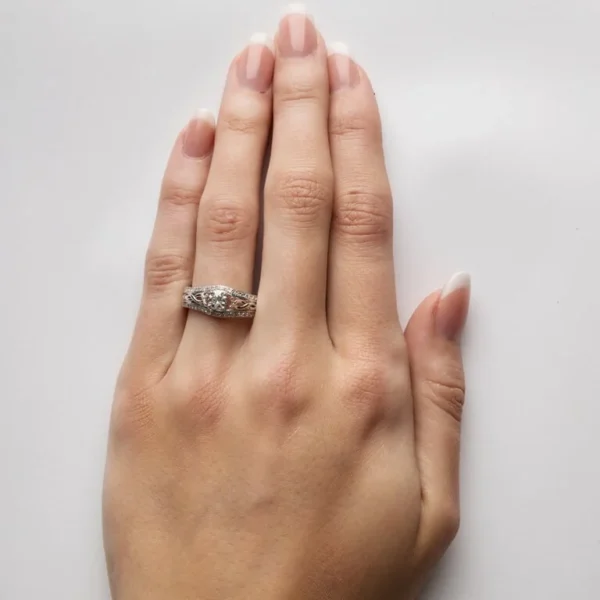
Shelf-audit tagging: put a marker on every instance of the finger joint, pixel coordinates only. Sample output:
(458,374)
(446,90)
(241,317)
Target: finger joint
(250,124)
(362,126)
(164,269)
(228,222)
(304,198)
(447,393)
(174,194)
(364,216)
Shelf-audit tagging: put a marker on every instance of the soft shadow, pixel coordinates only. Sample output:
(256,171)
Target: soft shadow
(441,578)
(261,221)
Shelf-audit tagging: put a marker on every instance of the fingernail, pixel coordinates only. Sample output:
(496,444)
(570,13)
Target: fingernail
(297,34)
(255,65)
(199,135)
(453,306)
(343,71)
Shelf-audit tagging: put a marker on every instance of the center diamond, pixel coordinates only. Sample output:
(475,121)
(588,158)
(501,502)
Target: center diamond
(217,301)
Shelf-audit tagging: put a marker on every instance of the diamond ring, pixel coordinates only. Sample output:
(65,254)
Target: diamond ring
(220,301)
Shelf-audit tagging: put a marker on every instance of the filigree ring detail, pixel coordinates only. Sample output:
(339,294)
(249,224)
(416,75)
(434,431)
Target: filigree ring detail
(220,301)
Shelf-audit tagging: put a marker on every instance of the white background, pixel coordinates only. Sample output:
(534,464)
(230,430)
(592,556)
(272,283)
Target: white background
(493,137)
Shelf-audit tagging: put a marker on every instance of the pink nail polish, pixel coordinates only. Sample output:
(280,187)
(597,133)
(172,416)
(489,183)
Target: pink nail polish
(199,135)
(343,71)
(453,306)
(297,34)
(256,63)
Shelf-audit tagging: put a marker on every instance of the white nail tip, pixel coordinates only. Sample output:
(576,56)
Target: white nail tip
(458,281)
(296,8)
(204,114)
(338,48)
(262,39)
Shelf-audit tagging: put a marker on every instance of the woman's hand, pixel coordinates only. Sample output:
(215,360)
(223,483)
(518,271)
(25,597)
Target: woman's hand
(310,453)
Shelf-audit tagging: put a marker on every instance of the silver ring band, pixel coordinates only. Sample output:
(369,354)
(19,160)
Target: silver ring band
(220,301)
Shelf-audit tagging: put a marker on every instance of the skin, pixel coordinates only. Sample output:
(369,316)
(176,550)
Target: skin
(311,453)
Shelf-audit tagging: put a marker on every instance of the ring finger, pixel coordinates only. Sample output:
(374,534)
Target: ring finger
(229,210)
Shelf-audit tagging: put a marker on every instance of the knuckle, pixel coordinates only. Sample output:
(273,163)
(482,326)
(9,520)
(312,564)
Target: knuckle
(447,392)
(279,386)
(356,125)
(227,221)
(244,123)
(371,391)
(164,269)
(304,197)
(364,215)
(299,90)
(368,385)
(174,194)
(198,405)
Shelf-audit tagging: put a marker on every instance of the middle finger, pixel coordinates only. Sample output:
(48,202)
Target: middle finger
(299,186)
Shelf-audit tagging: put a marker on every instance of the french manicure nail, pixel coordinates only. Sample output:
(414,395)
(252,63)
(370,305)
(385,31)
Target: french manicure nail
(199,135)
(343,71)
(297,34)
(256,63)
(453,306)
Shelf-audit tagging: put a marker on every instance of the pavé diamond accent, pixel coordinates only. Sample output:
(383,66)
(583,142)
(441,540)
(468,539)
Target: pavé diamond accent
(220,301)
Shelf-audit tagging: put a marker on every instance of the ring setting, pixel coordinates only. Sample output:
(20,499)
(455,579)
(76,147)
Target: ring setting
(220,301)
